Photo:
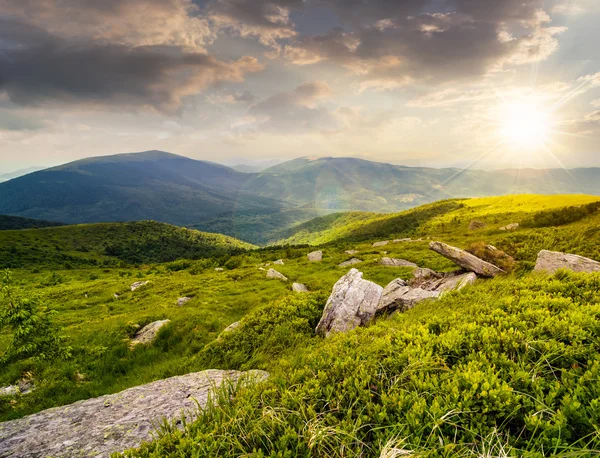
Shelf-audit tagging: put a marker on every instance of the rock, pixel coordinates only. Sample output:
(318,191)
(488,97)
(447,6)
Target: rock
(551,261)
(148,333)
(352,303)
(350,262)
(272,273)
(422,275)
(398,296)
(279,262)
(408,239)
(261,268)
(475,225)
(393,262)
(231,327)
(219,269)
(453,282)
(113,423)
(466,260)
(115,296)
(383,243)
(183,300)
(299,288)
(510,227)
(24,386)
(352,252)
(138,284)
(315,256)
(11,390)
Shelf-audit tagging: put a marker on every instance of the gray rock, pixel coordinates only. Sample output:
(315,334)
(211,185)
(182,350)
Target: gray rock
(261,268)
(510,227)
(352,252)
(219,269)
(138,284)
(24,386)
(352,303)
(10,390)
(299,288)
(394,262)
(398,296)
(476,225)
(231,327)
(551,261)
(407,239)
(148,333)
(466,260)
(315,256)
(350,262)
(422,275)
(453,282)
(183,300)
(101,426)
(272,273)
(382,243)
(279,262)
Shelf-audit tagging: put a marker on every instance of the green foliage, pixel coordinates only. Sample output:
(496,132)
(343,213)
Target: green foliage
(16,222)
(507,364)
(492,255)
(33,333)
(561,216)
(265,333)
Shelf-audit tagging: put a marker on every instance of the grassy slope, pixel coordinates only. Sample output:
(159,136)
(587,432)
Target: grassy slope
(16,222)
(108,243)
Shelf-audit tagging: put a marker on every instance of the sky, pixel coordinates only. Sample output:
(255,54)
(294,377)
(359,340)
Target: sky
(467,83)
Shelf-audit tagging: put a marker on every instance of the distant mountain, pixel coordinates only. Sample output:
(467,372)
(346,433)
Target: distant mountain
(18,173)
(257,207)
(16,222)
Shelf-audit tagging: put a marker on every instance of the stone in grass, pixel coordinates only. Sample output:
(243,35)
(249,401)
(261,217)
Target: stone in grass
(350,262)
(272,273)
(551,261)
(219,269)
(352,252)
(138,284)
(183,300)
(395,262)
(148,333)
(382,243)
(476,225)
(279,262)
(315,256)
(466,260)
(299,288)
(510,227)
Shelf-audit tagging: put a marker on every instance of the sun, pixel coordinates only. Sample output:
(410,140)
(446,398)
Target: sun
(525,125)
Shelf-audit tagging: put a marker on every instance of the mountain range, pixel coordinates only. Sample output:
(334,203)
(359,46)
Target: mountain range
(254,206)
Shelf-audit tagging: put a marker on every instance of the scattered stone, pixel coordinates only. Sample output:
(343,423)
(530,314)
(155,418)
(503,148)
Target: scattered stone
(183,300)
(422,275)
(24,386)
(279,262)
(383,243)
(272,273)
(148,333)
(394,262)
(352,252)
(315,256)
(352,303)
(551,261)
(299,288)
(510,227)
(466,260)
(115,296)
(261,268)
(452,282)
(113,423)
(219,269)
(138,284)
(476,225)
(398,296)
(231,327)
(408,239)
(267,264)
(350,262)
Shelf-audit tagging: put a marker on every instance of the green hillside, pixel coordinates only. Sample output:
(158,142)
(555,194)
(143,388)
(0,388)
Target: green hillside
(506,367)
(108,244)
(16,222)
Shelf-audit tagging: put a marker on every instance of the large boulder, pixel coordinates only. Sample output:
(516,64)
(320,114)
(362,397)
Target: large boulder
(148,333)
(108,424)
(315,256)
(394,262)
(398,296)
(272,273)
(551,261)
(350,262)
(466,260)
(353,302)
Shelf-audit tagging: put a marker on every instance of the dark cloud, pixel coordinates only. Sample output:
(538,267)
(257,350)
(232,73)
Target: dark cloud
(38,67)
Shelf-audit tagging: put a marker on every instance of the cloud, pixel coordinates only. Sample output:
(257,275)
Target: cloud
(39,67)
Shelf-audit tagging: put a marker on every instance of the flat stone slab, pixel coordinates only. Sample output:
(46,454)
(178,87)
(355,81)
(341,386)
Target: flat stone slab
(466,260)
(113,423)
(551,261)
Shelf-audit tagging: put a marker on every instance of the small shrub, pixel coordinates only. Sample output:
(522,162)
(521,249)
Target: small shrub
(492,255)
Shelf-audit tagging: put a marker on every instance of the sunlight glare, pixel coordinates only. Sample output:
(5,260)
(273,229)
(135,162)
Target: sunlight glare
(524,124)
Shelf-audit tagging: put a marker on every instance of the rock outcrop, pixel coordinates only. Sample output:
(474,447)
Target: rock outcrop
(422,275)
(551,261)
(476,225)
(136,285)
(353,302)
(272,273)
(510,227)
(315,256)
(466,260)
(183,300)
(394,262)
(148,333)
(299,288)
(382,243)
(451,282)
(350,262)
(101,426)
(399,296)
